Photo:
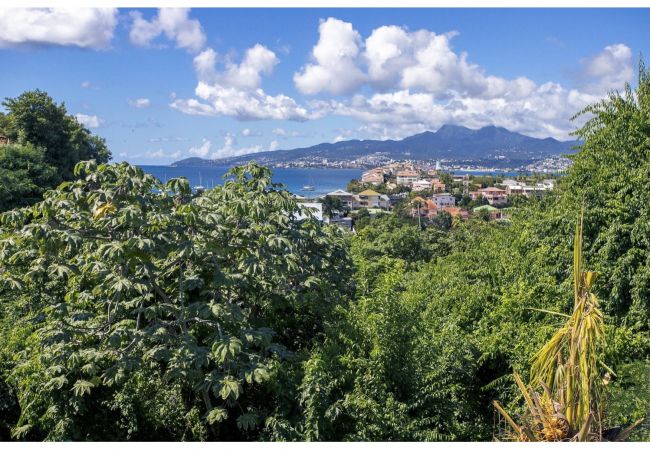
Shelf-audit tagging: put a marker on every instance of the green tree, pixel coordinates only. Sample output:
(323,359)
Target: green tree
(33,118)
(24,175)
(133,310)
(332,205)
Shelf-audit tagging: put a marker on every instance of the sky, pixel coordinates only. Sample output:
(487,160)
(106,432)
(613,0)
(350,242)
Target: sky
(165,84)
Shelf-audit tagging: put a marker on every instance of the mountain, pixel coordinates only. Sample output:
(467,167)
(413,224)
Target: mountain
(450,142)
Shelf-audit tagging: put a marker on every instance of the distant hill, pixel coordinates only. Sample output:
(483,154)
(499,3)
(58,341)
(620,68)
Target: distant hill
(450,142)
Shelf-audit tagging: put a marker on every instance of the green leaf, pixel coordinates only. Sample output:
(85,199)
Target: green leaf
(216,415)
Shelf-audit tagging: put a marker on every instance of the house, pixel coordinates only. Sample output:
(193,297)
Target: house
(437,185)
(372,199)
(443,200)
(494,195)
(343,222)
(421,185)
(407,177)
(549,183)
(425,208)
(348,200)
(510,182)
(494,213)
(514,189)
(474,195)
(374,176)
(454,211)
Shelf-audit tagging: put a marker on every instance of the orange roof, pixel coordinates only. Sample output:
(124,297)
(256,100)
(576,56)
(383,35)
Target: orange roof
(453,210)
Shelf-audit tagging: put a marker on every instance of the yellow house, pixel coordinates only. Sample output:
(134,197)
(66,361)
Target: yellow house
(372,199)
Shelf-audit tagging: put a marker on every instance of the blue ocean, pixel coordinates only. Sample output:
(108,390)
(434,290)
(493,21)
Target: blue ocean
(323,180)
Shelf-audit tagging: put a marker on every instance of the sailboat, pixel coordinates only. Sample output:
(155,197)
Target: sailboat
(200,187)
(310,186)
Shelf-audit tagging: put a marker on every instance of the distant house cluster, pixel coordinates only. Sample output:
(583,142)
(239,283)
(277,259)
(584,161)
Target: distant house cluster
(366,199)
(494,196)
(399,174)
(431,207)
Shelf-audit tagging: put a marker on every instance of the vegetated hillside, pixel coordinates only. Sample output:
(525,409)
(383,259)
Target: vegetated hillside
(449,142)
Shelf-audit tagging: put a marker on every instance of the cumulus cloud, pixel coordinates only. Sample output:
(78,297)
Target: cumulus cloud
(274,145)
(174,23)
(236,90)
(230,148)
(396,82)
(202,150)
(88,121)
(90,28)
(609,69)
(140,103)
(86,84)
(247,132)
(418,81)
(334,69)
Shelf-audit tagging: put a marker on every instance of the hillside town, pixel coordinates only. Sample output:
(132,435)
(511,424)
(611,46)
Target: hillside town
(425,193)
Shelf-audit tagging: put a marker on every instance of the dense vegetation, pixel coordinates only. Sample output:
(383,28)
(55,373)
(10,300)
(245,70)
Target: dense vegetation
(45,144)
(133,310)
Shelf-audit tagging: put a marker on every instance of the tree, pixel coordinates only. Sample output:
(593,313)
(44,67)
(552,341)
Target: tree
(24,175)
(34,118)
(331,205)
(133,310)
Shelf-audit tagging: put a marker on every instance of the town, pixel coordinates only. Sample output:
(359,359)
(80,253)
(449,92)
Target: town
(551,164)
(427,193)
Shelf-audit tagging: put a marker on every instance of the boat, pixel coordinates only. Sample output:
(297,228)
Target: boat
(310,186)
(199,189)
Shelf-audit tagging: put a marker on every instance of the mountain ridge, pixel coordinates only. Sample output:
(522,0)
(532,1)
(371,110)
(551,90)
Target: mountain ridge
(449,142)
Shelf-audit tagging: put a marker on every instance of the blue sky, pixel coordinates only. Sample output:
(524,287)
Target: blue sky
(164,85)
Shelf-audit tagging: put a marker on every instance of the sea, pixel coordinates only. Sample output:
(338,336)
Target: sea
(294,179)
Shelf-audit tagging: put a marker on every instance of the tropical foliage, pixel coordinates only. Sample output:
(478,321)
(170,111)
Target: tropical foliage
(134,303)
(136,310)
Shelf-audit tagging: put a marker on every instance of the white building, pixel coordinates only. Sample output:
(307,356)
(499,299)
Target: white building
(443,200)
(316,210)
(407,177)
(421,185)
(348,200)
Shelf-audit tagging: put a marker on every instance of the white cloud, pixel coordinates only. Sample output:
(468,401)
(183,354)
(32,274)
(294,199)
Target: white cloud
(169,139)
(230,148)
(90,28)
(396,82)
(174,23)
(247,75)
(88,121)
(609,69)
(418,82)
(247,132)
(140,103)
(236,91)
(86,84)
(284,134)
(335,67)
(274,145)
(202,150)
